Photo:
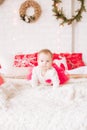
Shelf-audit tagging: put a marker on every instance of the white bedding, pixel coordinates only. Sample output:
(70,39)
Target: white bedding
(42,108)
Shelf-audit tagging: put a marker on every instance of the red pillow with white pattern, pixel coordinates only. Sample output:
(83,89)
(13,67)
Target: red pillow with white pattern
(60,61)
(74,60)
(25,60)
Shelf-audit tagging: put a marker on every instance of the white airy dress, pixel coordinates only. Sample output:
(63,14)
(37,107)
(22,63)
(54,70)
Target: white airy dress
(50,78)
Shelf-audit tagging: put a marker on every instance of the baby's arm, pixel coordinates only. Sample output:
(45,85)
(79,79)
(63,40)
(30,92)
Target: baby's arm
(55,80)
(34,80)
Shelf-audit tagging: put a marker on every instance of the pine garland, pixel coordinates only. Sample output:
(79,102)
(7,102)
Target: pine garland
(59,13)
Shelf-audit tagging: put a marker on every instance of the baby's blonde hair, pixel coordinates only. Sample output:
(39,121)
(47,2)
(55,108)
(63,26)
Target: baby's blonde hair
(45,51)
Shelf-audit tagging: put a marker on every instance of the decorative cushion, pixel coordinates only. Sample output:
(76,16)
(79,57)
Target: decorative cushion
(62,74)
(8,69)
(60,61)
(25,60)
(1,80)
(73,60)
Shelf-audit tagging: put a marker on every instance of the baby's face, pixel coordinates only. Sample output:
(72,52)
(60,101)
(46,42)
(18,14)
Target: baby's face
(44,61)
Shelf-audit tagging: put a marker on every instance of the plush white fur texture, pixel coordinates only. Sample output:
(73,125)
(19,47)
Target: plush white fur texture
(42,107)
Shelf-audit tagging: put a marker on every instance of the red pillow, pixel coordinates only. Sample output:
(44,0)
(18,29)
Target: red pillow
(56,56)
(59,60)
(25,60)
(62,75)
(74,60)
(1,80)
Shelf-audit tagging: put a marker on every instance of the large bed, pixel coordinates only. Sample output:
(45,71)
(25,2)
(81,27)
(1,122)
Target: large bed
(42,107)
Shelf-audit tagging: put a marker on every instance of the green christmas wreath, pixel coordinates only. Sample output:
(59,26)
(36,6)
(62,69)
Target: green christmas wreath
(59,13)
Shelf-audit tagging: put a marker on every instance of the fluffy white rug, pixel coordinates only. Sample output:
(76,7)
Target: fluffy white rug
(42,108)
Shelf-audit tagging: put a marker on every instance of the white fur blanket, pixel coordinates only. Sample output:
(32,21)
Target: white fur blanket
(42,108)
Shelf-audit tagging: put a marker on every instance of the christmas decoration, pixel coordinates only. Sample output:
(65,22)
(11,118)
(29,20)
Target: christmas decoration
(23,8)
(1,1)
(59,13)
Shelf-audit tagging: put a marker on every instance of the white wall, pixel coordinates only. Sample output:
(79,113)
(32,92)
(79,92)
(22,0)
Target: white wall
(27,37)
(17,36)
(80,36)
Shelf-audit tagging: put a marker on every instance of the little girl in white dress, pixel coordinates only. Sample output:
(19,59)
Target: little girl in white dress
(45,73)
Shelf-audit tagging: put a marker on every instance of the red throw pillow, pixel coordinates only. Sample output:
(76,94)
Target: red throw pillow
(62,75)
(56,56)
(1,80)
(74,60)
(25,60)
(60,60)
